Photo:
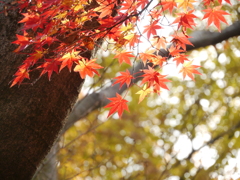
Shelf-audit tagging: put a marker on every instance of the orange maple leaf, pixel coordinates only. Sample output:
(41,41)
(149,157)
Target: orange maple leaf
(87,67)
(214,16)
(132,39)
(105,8)
(168,5)
(125,77)
(118,104)
(181,41)
(68,59)
(180,58)
(159,42)
(151,29)
(128,5)
(147,56)
(188,70)
(124,56)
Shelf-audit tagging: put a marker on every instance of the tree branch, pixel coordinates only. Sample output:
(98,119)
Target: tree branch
(98,99)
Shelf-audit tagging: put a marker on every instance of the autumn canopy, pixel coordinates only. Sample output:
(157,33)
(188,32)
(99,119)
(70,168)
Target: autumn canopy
(59,34)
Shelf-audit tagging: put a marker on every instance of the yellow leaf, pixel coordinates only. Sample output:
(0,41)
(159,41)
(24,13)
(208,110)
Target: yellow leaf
(186,4)
(143,93)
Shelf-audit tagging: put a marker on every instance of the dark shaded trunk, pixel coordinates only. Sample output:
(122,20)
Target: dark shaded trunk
(31,116)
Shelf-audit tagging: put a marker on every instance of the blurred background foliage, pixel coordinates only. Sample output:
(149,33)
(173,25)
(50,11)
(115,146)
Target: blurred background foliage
(191,132)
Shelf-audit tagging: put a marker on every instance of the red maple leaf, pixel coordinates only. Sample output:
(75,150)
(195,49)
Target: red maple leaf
(124,56)
(32,21)
(151,29)
(189,69)
(186,20)
(49,66)
(22,41)
(207,2)
(214,16)
(87,67)
(21,74)
(154,78)
(118,104)
(142,3)
(125,77)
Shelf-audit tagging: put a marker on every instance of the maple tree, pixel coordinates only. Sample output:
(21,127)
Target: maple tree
(58,35)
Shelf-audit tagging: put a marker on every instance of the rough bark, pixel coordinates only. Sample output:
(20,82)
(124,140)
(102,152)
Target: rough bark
(31,116)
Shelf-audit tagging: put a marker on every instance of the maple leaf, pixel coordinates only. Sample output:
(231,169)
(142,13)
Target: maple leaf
(132,39)
(118,104)
(43,39)
(188,70)
(158,60)
(32,21)
(147,56)
(160,84)
(186,4)
(180,58)
(87,67)
(143,93)
(207,2)
(22,41)
(125,77)
(88,42)
(128,5)
(105,8)
(68,59)
(21,74)
(49,66)
(227,1)
(159,42)
(153,77)
(174,51)
(142,3)
(155,14)
(181,41)
(38,54)
(185,20)
(168,5)
(151,29)
(124,56)
(214,16)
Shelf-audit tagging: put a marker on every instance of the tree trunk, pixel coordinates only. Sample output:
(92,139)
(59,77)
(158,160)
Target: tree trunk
(31,116)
